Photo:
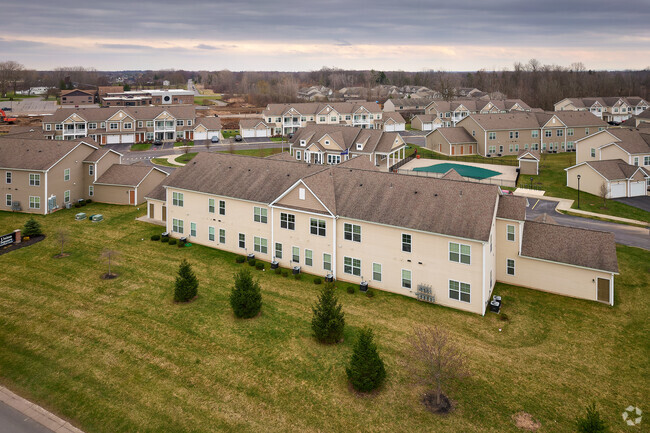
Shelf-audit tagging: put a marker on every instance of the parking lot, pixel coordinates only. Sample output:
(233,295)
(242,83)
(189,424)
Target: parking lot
(29,106)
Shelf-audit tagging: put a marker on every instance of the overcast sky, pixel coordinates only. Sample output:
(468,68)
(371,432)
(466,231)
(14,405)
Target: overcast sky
(456,35)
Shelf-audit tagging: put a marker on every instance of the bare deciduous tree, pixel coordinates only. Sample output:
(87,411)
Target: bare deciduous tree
(10,72)
(603,193)
(435,361)
(109,256)
(63,237)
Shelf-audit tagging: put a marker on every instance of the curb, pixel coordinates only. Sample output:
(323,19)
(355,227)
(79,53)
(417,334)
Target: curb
(36,412)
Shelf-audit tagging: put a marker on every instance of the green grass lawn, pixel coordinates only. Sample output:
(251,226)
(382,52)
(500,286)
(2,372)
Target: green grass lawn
(552,179)
(254,152)
(199,100)
(120,356)
(163,162)
(278,139)
(12,96)
(183,143)
(227,133)
(186,157)
(140,146)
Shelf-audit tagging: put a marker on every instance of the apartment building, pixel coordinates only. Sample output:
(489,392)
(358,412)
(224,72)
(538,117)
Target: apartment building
(332,144)
(411,106)
(287,118)
(136,98)
(436,240)
(509,133)
(613,109)
(452,112)
(129,124)
(77,97)
(41,176)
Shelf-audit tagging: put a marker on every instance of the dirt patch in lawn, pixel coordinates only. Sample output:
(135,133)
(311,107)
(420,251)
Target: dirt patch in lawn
(110,276)
(525,421)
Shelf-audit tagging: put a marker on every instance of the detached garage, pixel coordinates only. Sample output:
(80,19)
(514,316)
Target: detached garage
(251,128)
(529,162)
(620,178)
(206,128)
(391,122)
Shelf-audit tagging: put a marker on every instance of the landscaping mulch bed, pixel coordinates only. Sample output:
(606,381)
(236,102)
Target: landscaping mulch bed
(13,247)
(429,401)
(108,276)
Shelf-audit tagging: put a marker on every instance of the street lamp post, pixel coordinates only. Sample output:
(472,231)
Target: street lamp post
(578,191)
(531,183)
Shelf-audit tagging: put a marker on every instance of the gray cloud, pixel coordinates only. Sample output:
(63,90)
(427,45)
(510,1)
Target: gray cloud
(125,46)
(206,47)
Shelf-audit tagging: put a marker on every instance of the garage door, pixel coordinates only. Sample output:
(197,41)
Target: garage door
(200,135)
(112,139)
(427,127)
(213,134)
(637,188)
(128,138)
(261,133)
(389,128)
(247,133)
(618,190)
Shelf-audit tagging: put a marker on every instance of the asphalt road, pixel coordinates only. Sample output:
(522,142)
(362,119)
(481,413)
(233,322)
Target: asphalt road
(624,234)
(13,421)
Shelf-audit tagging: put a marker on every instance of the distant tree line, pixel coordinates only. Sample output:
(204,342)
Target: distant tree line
(537,84)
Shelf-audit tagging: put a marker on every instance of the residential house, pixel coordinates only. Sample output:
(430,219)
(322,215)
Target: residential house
(41,176)
(412,106)
(254,128)
(287,118)
(632,145)
(641,120)
(452,112)
(437,240)
(128,124)
(613,109)
(315,93)
(331,144)
(509,133)
(77,97)
(391,122)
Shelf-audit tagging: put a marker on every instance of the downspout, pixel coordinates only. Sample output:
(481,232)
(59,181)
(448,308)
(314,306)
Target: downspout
(334,219)
(47,201)
(272,232)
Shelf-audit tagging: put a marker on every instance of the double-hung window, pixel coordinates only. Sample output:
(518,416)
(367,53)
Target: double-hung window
(459,291)
(8,200)
(8,177)
(510,266)
(66,196)
(242,240)
(222,236)
(352,232)
(492,135)
(327,262)
(317,227)
(260,245)
(34,202)
(177,199)
(352,266)
(309,258)
(211,234)
(406,243)
(260,215)
(66,174)
(278,250)
(222,207)
(211,205)
(91,170)
(193,230)
(177,226)
(376,271)
(459,253)
(406,279)
(295,254)
(288,221)
(34,179)
(510,229)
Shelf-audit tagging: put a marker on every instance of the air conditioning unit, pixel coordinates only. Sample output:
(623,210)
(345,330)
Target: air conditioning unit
(425,293)
(15,206)
(68,205)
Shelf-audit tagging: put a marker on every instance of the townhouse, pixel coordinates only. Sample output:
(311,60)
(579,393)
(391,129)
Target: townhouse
(407,105)
(329,144)
(452,112)
(129,124)
(436,240)
(509,133)
(41,176)
(287,118)
(618,158)
(390,122)
(613,109)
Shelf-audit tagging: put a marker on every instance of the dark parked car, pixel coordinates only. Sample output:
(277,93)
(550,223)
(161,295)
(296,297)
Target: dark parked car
(157,143)
(238,137)
(6,108)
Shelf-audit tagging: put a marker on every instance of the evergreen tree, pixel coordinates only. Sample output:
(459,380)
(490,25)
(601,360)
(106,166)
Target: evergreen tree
(591,422)
(328,320)
(32,228)
(186,283)
(246,297)
(366,370)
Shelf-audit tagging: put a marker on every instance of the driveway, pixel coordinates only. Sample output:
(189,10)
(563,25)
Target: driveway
(642,203)
(624,234)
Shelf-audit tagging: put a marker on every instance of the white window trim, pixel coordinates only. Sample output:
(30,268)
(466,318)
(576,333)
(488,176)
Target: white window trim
(513,267)
(402,279)
(381,272)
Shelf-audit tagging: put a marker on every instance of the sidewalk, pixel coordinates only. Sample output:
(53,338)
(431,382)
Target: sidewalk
(36,412)
(565,205)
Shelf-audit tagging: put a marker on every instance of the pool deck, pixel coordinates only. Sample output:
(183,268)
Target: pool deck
(508,172)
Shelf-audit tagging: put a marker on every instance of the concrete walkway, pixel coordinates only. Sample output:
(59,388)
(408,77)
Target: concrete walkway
(30,414)
(564,204)
(172,159)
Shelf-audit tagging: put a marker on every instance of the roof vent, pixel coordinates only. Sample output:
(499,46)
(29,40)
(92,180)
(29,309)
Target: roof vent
(461,193)
(415,192)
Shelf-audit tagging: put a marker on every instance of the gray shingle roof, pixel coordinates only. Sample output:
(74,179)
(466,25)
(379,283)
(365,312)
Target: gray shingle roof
(535,120)
(613,169)
(122,174)
(313,108)
(138,113)
(34,154)
(570,245)
(632,140)
(512,207)
(456,135)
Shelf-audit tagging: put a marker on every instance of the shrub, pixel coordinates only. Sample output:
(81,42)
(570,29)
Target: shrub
(317,280)
(251,262)
(504,317)
(260,266)
(370,293)
(77,205)
(591,422)
(277,271)
(89,201)
(186,283)
(181,244)
(366,370)
(297,277)
(328,320)
(351,289)
(32,228)
(173,242)
(240,259)
(25,238)
(245,297)
(285,273)
(164,239)
(155,237)
(82,202)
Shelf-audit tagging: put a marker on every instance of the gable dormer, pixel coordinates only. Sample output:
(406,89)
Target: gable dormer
(74,118)
(328,143)
(300,196)
(554,122)
(119,116)
(165,115)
